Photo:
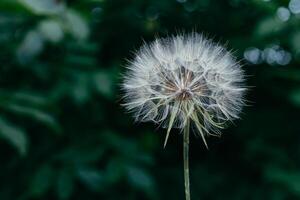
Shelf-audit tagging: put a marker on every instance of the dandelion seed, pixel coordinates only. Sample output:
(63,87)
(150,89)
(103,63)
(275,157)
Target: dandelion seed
(185,81)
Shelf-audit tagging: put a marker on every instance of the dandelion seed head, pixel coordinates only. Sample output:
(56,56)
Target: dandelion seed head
(184,78)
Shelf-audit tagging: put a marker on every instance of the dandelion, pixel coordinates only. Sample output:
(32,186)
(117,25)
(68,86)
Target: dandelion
(186,82)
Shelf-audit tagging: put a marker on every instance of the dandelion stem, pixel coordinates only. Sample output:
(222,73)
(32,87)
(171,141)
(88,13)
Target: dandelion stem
(186,141)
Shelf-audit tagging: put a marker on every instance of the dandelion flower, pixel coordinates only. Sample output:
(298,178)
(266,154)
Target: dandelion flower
(186,82)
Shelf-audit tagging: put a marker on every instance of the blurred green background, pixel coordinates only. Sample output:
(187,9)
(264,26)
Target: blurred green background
(64,135)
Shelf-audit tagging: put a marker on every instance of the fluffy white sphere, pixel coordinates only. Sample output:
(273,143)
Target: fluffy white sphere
(185,79)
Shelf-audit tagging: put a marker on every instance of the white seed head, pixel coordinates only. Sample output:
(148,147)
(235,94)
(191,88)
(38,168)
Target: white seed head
(181,79)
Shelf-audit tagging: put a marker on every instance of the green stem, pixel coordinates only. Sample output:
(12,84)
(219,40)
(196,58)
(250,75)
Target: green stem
(186,141)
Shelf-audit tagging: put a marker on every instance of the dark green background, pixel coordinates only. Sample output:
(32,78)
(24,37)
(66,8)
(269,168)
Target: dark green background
(64,135)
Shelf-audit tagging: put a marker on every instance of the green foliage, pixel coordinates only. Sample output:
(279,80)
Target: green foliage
(64,135)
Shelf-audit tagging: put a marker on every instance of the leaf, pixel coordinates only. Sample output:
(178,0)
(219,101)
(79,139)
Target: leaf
(14,135)
(31,46)
(295,97)
(104,84)
(51,30)
(115,170)
(27,98)
(140,179)
(92,178)
(79,89)
(81,154)
(42,181)
(268,26)
(76,25)
(295,41)
(45,7)
(11,6)
(287,178)
(65,184)
(37,115)
(80,60)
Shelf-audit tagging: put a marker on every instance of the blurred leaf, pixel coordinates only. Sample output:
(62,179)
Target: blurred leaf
(42,181)
(51,30)
(27,98)
(140,179)
(11,5)
(82,48)
(268,26)
(103,82)
(31,46)
(92,178)
(287,178)
(81,154)
(76,25)
(295,41)
(80,60)
(295,97)
(46,7)
(115,170)
(30,105)
(14,135)
(37,115)
(65,184)
(80,90)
